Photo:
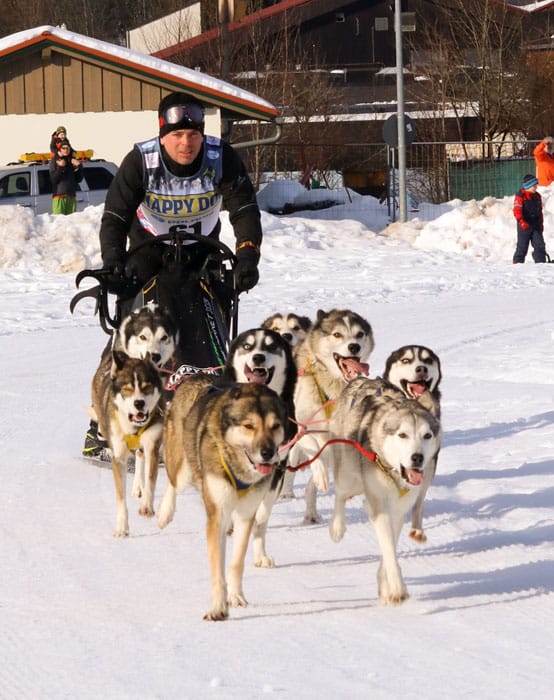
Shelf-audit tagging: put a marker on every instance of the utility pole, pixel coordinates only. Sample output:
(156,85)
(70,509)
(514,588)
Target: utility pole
(225,12)
(400,114)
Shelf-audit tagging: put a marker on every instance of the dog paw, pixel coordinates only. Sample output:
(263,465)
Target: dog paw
(237,600)
(337,529)
(146,511)
(164,519)
(418,535)
(265,562)
(312,519)
(320,477)
(121,533)
(395,598)
(216,615)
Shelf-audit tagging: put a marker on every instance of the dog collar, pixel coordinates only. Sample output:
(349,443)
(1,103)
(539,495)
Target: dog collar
(241,487)
(132,440)
(402,490)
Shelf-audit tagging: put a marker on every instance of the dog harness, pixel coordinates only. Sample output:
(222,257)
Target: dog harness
(371,456)
(241,487)
(132,440)
(329,406)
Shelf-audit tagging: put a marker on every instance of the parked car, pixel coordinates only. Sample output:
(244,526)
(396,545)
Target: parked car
(29,185)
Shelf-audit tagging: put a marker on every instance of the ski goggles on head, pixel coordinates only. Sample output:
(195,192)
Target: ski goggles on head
(186,116)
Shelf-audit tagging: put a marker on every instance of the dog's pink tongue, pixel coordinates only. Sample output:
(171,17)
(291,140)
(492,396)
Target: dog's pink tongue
(351,368)
(415,477)
(264,469)
(255,377)
(416,389)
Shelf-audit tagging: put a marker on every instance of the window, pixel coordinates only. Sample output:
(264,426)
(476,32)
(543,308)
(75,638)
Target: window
(44,182)
(97,177)
(15,184)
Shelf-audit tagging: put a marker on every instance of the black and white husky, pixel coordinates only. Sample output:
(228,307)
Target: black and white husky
(262,356)
(149,329)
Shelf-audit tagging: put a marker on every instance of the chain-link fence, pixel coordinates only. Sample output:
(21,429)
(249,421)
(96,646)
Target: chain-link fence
(436,172)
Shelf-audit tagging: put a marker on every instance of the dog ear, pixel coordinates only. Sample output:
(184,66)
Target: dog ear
(305,322)
(320,315)
(120,358)
(235,392)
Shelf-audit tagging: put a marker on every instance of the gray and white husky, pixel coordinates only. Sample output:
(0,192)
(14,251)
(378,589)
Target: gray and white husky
(400,439)
(416,371)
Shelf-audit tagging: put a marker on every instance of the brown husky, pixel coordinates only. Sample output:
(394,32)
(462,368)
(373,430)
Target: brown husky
(125,400)
(224,441)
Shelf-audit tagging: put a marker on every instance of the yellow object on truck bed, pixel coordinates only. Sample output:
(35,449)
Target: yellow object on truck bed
(43,157)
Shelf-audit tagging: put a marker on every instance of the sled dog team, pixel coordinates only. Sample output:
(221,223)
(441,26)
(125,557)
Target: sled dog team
(292,392)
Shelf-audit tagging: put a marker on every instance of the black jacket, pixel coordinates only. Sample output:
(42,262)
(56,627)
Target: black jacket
(64,178)
(121,225)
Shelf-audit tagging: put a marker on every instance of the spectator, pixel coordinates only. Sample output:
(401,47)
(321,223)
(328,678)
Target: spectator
(544,159)
(57,137)
(65,173)
(528,213)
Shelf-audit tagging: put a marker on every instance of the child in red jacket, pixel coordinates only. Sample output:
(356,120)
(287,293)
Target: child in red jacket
(528,213)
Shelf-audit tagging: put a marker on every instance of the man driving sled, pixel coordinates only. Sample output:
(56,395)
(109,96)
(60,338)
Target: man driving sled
(177,183)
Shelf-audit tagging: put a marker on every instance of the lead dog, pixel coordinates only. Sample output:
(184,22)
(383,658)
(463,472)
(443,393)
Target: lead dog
(263,356)
(125,403)
(416,371)
(334,352)
(401,439)
(224,442)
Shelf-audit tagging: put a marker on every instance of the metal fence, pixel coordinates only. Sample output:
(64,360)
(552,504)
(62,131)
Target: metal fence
(436,172)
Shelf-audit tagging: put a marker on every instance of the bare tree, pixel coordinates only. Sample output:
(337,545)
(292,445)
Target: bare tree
(474,62)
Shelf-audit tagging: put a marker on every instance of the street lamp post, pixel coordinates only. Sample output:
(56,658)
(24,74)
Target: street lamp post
(400,114)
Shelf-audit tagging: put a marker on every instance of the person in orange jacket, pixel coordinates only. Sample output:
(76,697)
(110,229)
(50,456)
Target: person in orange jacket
(544,159)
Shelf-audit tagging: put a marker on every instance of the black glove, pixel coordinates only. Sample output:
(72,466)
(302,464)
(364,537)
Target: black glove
(114,278)
(246,268)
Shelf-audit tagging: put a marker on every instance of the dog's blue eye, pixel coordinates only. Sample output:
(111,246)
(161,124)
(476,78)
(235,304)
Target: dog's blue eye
(247,346)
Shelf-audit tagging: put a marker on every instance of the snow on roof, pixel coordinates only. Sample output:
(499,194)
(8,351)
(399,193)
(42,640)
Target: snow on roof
(156,67)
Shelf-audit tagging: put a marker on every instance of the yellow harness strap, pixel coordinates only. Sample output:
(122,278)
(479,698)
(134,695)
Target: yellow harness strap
(322,395)
(241,487)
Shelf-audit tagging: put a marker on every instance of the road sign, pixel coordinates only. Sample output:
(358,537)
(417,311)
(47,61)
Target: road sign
(390,131)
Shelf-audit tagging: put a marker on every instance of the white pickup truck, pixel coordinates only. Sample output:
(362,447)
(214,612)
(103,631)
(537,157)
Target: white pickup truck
(28,184)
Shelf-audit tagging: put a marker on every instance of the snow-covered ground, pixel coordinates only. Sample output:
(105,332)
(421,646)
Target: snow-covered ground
(87,616)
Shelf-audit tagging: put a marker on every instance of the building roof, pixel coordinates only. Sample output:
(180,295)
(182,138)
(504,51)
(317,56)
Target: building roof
(230,99)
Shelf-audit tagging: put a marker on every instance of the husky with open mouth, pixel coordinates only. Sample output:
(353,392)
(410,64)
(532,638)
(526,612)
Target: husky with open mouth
(334,352)
(393,443)
(126,397)
(263,356)
(224,442)
(416,371)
